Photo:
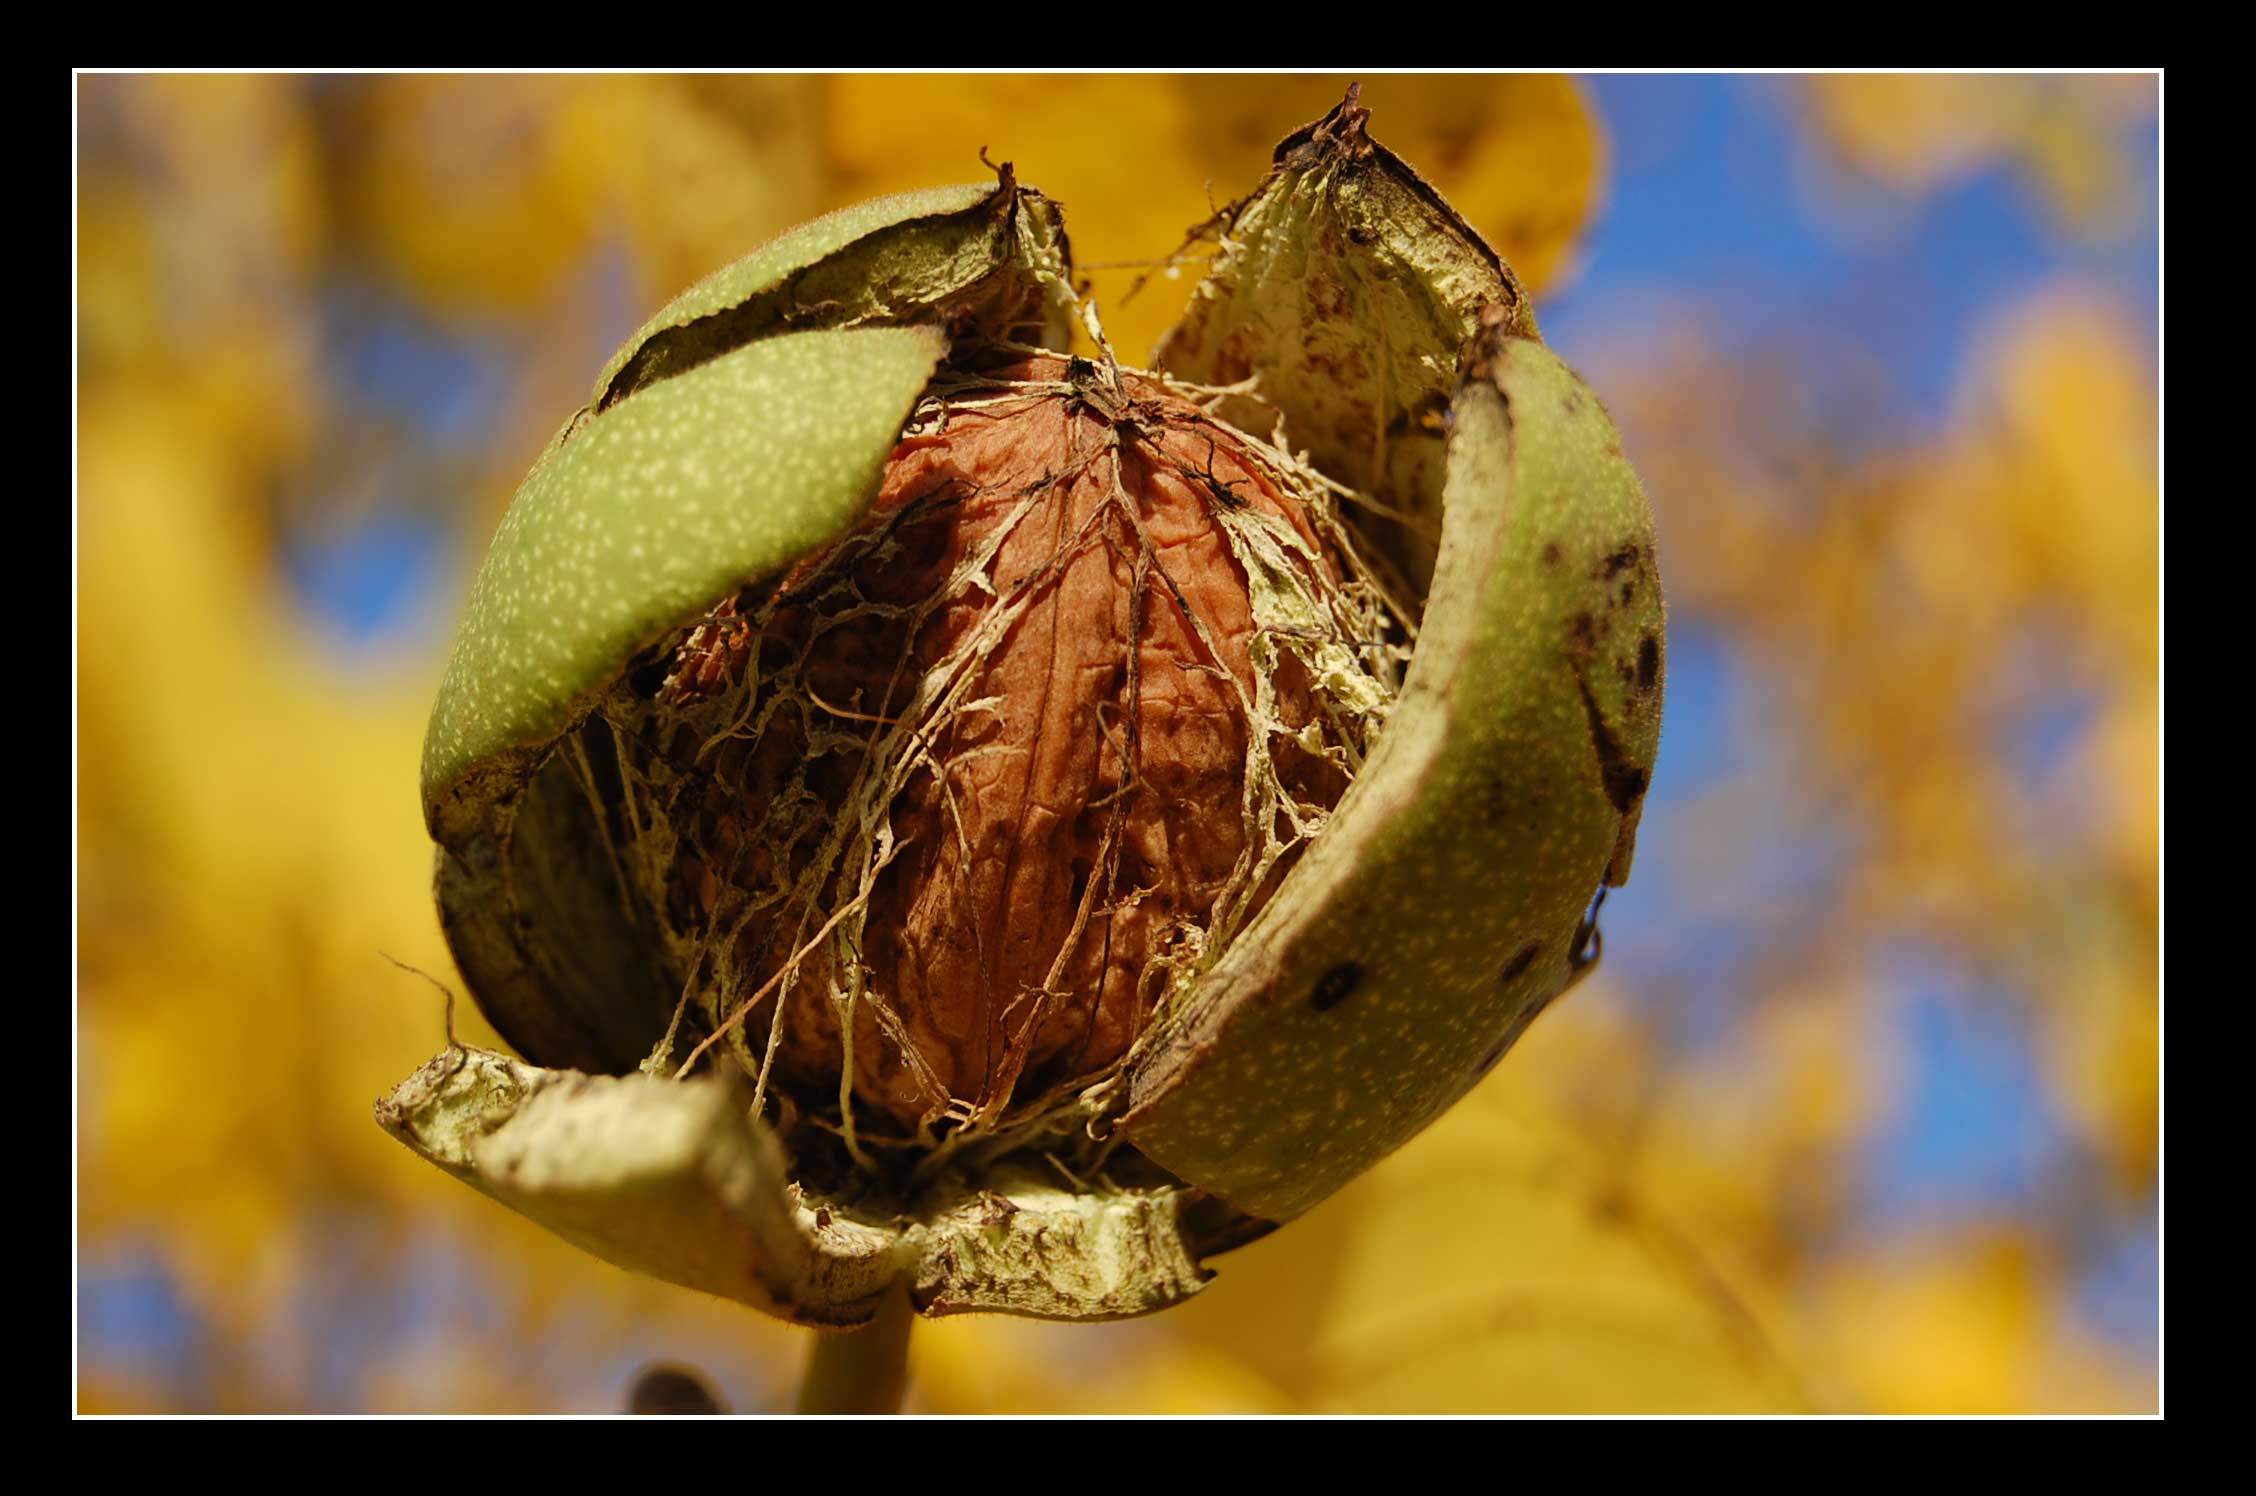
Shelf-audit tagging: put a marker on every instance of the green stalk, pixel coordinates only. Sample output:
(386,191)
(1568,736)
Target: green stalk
(864,1370)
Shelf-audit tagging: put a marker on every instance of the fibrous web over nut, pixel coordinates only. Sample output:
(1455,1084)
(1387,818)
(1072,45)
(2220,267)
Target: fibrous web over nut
(934,825)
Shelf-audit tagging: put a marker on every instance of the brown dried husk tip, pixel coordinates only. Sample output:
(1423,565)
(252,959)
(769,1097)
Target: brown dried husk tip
(935,826)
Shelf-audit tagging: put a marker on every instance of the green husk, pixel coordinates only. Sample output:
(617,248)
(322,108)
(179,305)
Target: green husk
(1352,318)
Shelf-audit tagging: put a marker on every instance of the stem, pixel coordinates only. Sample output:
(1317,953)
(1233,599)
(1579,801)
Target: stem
(864,1370)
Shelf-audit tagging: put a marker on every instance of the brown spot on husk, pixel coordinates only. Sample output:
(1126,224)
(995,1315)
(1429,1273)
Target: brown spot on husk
(1211,1227)
(1648,664)
(1336,986)
(1624,781)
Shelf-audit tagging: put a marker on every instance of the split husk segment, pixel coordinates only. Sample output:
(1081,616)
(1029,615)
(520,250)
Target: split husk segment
(670,1178)
(1350,313)
(768,397)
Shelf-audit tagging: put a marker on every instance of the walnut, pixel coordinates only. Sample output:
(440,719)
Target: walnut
(886,770)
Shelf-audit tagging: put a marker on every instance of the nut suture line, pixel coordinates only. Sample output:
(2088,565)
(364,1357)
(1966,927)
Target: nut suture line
(808,850)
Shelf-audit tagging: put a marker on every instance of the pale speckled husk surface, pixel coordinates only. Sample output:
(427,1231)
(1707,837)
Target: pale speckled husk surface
(730,471)
(794,249)
(1440,909)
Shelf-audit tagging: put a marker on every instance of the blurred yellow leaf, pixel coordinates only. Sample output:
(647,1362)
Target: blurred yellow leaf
(119,314)
(2062,449)
(982,1365)
(1497,1264)
(1965,1325)
(480,192)
(705,169)
(1497,1270)
(1914,133)
(238,889)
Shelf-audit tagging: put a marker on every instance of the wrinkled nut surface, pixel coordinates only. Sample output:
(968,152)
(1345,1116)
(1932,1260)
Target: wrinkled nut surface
(983,768)
(926,808)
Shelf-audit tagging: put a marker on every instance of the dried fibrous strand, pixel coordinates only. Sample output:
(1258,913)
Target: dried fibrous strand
(933,823)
